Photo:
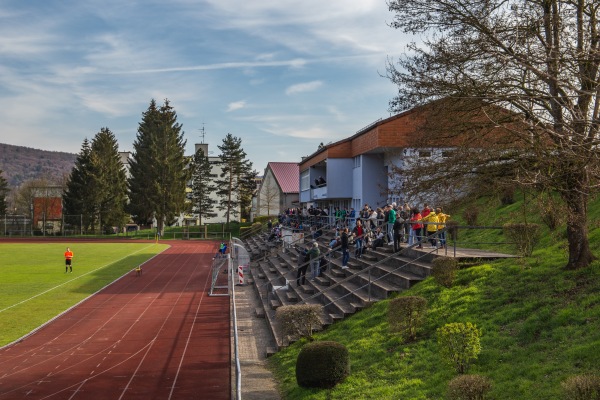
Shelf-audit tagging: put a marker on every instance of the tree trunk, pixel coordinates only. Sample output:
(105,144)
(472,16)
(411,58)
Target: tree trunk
(580,255)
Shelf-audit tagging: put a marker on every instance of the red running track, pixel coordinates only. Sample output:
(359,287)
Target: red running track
(158,336)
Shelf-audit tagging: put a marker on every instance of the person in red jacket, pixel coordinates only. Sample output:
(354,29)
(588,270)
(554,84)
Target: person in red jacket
(68,260)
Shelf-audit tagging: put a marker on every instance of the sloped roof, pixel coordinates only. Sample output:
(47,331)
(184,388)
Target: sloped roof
(287,175)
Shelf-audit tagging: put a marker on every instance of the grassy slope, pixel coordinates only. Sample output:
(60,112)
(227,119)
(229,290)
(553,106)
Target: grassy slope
(35,288)
(540,325)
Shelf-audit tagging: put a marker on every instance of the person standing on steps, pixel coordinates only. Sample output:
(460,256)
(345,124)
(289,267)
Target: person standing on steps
(314,255)
(68,260)
(345,248)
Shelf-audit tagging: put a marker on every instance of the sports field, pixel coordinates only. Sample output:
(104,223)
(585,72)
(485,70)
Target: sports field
(34,287)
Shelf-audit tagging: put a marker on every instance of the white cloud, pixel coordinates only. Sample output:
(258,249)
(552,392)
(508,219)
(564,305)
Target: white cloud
(236,105)
(303,87)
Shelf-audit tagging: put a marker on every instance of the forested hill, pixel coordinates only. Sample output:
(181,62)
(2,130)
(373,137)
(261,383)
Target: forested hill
(20,164)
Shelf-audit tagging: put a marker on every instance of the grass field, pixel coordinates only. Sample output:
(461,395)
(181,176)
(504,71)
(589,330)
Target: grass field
(35,288)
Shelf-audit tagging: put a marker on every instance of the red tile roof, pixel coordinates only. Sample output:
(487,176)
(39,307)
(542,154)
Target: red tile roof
(287,175)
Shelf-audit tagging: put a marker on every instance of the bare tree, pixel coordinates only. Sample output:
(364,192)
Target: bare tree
(524,74)
(268,196)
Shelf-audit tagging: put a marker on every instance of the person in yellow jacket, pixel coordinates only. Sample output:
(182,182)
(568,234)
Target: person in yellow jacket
(442,219)
(431,221)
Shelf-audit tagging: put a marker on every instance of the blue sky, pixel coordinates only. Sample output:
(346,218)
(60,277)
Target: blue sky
(283,76)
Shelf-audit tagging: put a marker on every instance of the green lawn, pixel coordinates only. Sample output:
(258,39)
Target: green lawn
(540,324)
(35,288)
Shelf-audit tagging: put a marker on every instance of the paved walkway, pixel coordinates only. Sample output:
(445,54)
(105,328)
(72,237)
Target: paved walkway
(254,336)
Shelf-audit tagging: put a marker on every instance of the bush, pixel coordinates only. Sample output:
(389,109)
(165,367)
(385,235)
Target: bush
(552,212)
(298,320)
(582,387)
(452,229)
(459,344)
(468,387)
(524,235)
(470,215)
(322,364)
(445,270)
(406,314)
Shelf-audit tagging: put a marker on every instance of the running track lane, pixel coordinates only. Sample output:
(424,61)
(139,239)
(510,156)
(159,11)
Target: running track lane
(158,336)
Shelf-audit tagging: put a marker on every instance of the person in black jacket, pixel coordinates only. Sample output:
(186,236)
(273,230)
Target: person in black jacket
(302,266)
(345,248)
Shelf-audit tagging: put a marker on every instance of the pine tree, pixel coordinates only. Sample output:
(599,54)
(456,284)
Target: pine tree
(141,168)
(78,197)
(3,193)
(158,168)
(235,167)
(110,183)
(202,187)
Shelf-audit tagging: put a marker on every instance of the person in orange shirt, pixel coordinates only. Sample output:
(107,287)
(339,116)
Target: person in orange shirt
(68,260)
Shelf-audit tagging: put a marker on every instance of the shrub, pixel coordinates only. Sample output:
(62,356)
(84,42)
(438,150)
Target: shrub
(524,235)
(468,387)
(551,211)
(298,320)
(507,195)
(452,229)
(322,364)
(406,314)
(470,215)
(444,271)
(582,387)
(459,344)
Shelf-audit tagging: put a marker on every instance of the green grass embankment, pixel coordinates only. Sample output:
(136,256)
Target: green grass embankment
(540,325)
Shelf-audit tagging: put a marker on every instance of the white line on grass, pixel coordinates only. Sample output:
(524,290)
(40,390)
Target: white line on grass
(71,280)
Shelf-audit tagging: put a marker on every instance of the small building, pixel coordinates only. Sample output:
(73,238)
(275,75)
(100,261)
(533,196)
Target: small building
(278,190)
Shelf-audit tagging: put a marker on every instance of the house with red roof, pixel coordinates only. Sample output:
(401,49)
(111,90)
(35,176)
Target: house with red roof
(279,188)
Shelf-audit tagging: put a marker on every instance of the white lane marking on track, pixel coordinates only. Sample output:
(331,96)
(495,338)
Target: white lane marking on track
(71,280)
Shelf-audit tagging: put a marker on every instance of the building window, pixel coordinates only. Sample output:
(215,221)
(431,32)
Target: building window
(357,161)
(447,153)
(305,180)
(424,153)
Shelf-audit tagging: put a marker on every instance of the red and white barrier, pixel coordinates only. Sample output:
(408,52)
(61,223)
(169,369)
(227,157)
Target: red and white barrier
(241,274)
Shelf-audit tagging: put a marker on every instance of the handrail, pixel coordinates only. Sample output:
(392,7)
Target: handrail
(368,269)
(291,244)
(252,231)
(238,370)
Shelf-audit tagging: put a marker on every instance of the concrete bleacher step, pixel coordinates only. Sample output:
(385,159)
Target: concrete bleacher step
(323,281)
(273,270)
(259,312)
(291,297)
(275,304)
(307,289)
(369,257)
(338,273)
(269,351)
(261,275)
(336,317)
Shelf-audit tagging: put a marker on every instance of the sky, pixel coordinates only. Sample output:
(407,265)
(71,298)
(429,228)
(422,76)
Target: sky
(282,76)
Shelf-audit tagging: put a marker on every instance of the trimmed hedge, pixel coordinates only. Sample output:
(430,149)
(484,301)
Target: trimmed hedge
(468,387)
(322,364)
(444,271)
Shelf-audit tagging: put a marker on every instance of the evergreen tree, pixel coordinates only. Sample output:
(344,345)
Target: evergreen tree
(110,182)
(141,168)
(3,193)
(248,189)
(158,168)
(235,167)
(202,187)
(78,197)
